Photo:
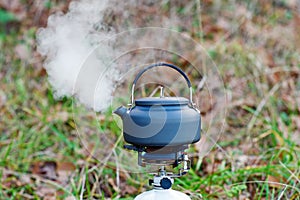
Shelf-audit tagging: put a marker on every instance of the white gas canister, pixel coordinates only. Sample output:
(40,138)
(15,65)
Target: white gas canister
(161,194)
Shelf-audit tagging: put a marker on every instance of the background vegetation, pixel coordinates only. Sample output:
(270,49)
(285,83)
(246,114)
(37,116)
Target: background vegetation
(257,156)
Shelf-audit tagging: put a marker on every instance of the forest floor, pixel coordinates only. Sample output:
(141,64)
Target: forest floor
(257,50)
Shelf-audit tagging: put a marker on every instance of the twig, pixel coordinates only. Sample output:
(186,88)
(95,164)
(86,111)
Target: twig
(281,194)
(117,170)
(198,3)
(95,185)
(292,174)
(201,83)
(82,184)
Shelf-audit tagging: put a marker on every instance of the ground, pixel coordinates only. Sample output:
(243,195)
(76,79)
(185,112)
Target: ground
(255,45)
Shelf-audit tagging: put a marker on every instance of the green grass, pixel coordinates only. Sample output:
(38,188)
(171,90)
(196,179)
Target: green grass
(33,129)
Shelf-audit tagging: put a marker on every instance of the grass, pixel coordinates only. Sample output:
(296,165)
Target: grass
(257,157)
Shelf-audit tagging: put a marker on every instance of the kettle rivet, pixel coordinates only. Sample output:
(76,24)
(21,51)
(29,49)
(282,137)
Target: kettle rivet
(162,92)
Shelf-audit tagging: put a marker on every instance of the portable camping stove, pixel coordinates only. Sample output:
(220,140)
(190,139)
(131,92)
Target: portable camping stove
(160,129)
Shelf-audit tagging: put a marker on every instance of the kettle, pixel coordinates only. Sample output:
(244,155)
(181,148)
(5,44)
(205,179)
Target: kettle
(160,121)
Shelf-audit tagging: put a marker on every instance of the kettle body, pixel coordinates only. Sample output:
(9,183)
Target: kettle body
(161,121)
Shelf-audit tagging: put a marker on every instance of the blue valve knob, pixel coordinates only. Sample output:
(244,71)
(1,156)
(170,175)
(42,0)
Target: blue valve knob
(166,183)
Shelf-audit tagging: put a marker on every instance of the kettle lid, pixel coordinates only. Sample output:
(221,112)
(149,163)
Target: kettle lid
(164,101)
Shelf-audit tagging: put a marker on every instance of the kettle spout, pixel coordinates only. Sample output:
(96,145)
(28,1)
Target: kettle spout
(121,111)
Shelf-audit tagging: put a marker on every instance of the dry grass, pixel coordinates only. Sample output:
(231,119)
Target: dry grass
(257,51)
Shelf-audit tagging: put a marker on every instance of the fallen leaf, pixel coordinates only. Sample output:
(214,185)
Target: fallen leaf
(57,171)
(106,190)
(274,182)
(47,193)
(46,169)
(114,186)
(128,189)
(64,171)
(49,170)
(65,166)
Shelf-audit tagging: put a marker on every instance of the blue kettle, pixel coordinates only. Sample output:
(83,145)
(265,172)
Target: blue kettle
(160,121)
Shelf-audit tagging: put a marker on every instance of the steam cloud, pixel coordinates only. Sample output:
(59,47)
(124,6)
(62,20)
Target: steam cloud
(79,46)
(67,42)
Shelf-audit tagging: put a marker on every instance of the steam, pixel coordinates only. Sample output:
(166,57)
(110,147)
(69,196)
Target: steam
(80,46)
(67,43)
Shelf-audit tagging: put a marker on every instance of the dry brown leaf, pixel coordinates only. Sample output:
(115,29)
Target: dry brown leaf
(127,189)
(47,193)
(212,29)
(64,171)
(205,101)
(48,170)
(58,171)
(113,185)
(273,181)
(65,166)
(11,181)
(106,190)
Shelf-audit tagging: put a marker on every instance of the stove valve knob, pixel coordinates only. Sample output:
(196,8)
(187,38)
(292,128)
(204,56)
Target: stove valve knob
(166,183)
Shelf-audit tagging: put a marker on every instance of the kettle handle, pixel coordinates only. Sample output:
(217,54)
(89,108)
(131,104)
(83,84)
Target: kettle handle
(166,65)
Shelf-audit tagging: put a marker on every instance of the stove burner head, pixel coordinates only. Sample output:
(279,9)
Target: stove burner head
(163,156)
